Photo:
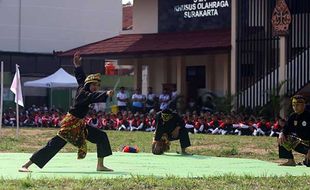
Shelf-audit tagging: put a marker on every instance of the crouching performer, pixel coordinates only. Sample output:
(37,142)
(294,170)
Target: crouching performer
(296,134)
(73,128)
(169,127)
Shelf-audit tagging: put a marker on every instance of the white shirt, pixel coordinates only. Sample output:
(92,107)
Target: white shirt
(122,96)
(164,97)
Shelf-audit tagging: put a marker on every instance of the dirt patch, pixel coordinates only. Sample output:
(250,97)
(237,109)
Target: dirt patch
(213,147)
(247,150)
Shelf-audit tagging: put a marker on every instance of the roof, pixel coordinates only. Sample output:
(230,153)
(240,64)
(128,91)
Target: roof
(159,43)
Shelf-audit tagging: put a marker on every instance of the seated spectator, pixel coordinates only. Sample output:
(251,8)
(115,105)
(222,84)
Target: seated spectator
(214,124)
(227,126)
(246,127)
(122,123)
(263,128)
(5,119)
(38,119)
(55,120)
(29,121)
(136,123)
(94,121)
(200,125)
(277,127)
(108,123)
(189,123)
(12,118)
(150,123)
(46,120)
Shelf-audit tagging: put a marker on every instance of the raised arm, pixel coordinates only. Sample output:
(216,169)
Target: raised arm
(78,71)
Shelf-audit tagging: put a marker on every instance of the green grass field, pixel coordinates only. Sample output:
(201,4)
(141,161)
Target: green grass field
(261,148)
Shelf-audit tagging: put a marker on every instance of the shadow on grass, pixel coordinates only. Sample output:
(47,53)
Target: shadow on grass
(194,156)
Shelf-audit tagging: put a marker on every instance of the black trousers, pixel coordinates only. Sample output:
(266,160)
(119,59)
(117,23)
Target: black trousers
(183,137)
(301,148)
(96,136)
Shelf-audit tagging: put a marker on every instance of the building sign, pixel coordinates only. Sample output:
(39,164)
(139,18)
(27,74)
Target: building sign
(193,15)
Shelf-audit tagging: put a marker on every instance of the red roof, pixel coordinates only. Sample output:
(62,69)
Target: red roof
(159,43)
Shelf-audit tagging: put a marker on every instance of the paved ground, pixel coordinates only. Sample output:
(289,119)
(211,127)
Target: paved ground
(128,164)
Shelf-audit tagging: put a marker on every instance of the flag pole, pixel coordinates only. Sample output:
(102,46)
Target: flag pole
(17,90)
(1,99)
(17,105)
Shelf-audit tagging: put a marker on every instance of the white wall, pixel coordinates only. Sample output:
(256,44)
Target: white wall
(57,24)
(145,16)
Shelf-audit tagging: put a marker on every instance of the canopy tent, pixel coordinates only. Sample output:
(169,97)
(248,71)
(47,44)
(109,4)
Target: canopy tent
(59,79)
(56,80)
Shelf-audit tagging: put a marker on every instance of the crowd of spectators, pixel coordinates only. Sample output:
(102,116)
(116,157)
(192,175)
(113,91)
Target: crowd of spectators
(138,112)
(129,120)
(34,117)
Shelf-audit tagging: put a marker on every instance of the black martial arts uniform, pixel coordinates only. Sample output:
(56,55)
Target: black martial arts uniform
(73,128)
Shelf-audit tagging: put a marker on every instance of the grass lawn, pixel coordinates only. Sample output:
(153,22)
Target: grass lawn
(262,148)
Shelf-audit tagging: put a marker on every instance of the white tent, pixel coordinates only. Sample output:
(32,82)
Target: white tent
(59,79)
(56,80)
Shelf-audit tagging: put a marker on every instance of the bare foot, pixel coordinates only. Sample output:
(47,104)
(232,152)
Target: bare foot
(288,164)
(105,169)
(24,169)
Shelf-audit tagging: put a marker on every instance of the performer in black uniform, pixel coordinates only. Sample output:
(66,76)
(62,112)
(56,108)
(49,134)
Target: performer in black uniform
(73,128)
(169,126)
(296,133)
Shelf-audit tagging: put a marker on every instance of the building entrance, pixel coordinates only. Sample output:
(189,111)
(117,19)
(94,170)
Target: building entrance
(195,79)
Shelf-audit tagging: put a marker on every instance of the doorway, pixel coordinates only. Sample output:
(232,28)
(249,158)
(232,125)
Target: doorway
(195,79)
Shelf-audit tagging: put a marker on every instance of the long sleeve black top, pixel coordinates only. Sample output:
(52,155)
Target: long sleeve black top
(167,127)
(83,97)
(299,125)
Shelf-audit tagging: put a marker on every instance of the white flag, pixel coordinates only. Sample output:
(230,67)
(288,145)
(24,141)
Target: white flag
(16,88)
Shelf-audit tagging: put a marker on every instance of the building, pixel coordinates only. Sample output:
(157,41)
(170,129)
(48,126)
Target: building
(219,46)
(32,31)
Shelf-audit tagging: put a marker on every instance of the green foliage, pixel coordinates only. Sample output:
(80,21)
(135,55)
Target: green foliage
(272,109)
(225,103)
(229,152)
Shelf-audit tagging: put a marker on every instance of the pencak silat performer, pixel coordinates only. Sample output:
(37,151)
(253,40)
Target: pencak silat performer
(73,128)
(169,126)
(296,133)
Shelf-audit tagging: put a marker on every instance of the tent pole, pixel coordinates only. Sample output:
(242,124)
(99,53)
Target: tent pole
(1,98)
(69,97)
(51,101)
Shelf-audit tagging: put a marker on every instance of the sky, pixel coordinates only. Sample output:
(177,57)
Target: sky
(125,1)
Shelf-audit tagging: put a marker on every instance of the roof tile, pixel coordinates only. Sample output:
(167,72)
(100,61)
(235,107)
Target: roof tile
(159,42)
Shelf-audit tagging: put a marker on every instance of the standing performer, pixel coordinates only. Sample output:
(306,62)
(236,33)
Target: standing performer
(73,128)
(169,126)
(296,133)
